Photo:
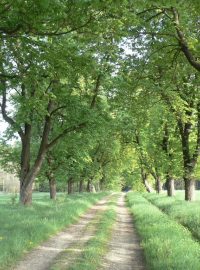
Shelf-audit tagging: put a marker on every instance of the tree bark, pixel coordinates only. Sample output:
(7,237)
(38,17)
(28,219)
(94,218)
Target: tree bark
(145,181)
(50,176)
(27,180)
(101,183)
(88,185)
(189,189)
(170,186)
(81,185)
(26,193)
(52,188)
(27,174)
(70,186)
(189,161)
(158,185)
(97,187)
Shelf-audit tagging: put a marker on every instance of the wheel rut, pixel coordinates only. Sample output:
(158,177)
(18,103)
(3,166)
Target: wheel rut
(124,251)
(42,257)
(62,250)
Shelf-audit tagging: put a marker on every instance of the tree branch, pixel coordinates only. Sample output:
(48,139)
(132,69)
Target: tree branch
(96,90)
(57,33)
(183,42)
(6,117)
(197,150)
(65,131)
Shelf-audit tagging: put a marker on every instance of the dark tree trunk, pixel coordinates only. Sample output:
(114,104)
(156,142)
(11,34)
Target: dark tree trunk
(158,185)
(88,185)
(70,186)
(170,186)
(81,185)
(189,160)
(189,189)
(26,193)
(101,183)
(27,174)
(25,186)
(51,176)
(26,183)
(52,188)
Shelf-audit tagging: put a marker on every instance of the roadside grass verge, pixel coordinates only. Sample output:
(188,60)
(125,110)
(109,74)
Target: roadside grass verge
(95,249)
(167,244)
(22,228)
(186,213)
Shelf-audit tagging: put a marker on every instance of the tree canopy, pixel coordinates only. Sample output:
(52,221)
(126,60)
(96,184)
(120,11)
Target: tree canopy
(101,92)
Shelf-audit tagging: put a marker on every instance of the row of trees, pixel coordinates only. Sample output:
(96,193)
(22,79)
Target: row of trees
(95,90)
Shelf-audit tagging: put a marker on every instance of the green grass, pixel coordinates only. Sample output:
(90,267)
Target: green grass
(96,247)
(22,228)
(186,213)
(167,244)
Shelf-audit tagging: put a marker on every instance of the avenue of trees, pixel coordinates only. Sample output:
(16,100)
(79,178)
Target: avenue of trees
(100,92)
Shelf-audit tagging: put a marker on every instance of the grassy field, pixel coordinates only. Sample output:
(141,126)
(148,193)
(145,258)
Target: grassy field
(186,213)
(22,228)
(167,244)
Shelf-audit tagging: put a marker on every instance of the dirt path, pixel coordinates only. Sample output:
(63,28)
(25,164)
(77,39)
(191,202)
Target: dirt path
(71,254)
(43,256)
(125,252)
(62,250)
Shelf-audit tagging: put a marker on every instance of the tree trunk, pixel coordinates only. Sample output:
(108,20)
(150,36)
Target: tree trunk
(97,187)
(158,185)
(27,174)
(145,181)
(170,186)
(26,182)
(88,185)
(81,185)
(189,189)
(101,183)
(26,193)
(52,188)
(70,186)
(148,186)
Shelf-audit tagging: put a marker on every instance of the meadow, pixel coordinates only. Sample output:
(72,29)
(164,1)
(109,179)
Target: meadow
(167,243)
(23,228)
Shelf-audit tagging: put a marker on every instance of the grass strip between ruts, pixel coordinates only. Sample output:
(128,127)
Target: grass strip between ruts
(97,246)
(167,244)
(23,228)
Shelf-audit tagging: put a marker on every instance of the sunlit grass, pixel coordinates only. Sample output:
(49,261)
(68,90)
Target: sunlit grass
(186,213)
(167,244)
(22,228)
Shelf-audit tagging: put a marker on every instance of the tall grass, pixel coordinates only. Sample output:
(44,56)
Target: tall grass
(22,228)
(186,213)
(167,244)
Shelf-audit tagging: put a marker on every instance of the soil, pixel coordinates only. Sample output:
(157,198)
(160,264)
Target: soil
(124,250)
(42,257)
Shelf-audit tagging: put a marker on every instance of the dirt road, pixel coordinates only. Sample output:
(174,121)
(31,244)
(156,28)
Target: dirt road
(124,249)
